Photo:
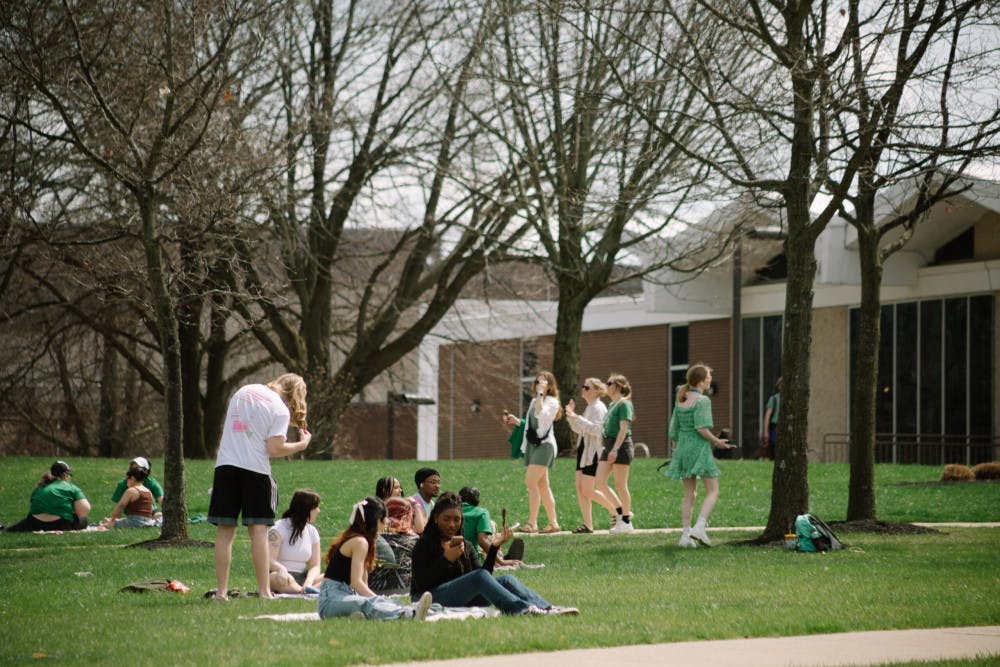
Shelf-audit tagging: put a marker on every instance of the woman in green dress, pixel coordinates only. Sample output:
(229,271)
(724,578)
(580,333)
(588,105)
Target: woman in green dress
(691,434)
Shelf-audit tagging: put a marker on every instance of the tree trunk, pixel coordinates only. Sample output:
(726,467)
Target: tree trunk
(790,478)
(861,493)
(566,357)
(189,339)
(175,496)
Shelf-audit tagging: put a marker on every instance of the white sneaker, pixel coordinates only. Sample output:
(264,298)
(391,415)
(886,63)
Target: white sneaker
(423,606)
(556,610)
(687,543)
(698,533)
(614,522)
(532,610)
(624,527)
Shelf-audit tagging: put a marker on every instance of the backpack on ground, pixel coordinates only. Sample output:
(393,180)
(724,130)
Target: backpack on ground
(813,534)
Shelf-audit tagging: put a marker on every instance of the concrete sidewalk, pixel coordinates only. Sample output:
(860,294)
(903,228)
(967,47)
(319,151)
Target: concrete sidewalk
(845,649)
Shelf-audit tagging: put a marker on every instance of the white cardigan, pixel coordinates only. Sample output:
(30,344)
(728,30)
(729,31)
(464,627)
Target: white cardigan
(590,425)
(550,408)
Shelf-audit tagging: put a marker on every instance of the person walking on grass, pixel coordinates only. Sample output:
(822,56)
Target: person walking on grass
(589,428)
(618,451)
(539,446)
(256,425)
(691,433)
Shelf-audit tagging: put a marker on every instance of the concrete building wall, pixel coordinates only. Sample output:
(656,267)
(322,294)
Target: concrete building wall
(708,342)
(828,368)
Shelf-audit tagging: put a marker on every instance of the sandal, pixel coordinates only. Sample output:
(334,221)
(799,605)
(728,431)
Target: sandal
(582,529)
(528,528)
(551,529)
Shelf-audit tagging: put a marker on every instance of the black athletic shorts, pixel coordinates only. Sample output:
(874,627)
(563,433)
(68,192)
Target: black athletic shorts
(237,490)
(589,471)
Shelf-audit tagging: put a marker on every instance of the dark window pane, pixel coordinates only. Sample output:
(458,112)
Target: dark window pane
(753,397)
(930,367)
(771,358)
(678,345)
(883,386)
(906,368)
(980,364)
(955,370)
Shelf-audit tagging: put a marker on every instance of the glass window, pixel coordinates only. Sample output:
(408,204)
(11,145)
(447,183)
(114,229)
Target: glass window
(956,371)
(884,394)
(906,367)
(761,368)
(930,367)
(981,336)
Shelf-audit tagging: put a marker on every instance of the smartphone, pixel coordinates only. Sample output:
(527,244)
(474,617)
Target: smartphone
(503,517)
(457,539)
(517,524)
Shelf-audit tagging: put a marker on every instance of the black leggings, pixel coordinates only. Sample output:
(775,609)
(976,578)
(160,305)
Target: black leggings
(30,524)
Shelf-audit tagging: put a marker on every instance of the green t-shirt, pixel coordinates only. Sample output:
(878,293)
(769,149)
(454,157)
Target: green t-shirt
(619,410)
(774,404)
(56,498)
(475,520)
(150,483)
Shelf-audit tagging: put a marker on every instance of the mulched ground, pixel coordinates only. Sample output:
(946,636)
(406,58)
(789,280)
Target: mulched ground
(883,527)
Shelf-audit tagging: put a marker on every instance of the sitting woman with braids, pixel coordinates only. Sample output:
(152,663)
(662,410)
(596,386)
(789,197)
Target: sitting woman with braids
(447,565)
(345,590)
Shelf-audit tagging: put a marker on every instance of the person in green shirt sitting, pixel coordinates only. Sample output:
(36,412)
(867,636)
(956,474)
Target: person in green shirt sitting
(56,503)
(478,528)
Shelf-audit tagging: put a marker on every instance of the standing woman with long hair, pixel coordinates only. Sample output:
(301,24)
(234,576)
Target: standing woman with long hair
(589,427)
(539,447)
(691,432)
(293,544)
(618,451)
(351,557)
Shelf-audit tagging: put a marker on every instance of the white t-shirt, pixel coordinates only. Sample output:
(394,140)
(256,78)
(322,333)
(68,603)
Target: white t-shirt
(255,414)
(295,557)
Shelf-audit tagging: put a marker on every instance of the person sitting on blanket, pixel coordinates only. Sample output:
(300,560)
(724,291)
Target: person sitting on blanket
(478,527)
(56,503)
(395,543)
(447,565)
(134,508)
(141,463)
(293,546)
(351,557)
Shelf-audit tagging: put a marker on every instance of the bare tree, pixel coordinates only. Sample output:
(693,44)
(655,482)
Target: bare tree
(132,92)
(381,210)
(778,121)
(594,105)
(905,94)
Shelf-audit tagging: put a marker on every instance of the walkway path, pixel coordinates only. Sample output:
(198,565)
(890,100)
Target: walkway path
(842,649)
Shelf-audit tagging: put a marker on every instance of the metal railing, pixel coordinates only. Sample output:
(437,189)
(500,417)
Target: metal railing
(922,448)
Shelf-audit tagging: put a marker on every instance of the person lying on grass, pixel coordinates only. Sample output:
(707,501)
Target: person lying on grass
(447,565)
(351,557)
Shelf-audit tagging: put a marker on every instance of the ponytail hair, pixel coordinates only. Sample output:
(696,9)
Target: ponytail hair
(365,515)
(292,389)
(695,375)
(622,383)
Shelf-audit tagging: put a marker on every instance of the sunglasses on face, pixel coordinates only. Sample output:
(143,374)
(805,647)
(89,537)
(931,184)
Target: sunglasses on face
(586,386)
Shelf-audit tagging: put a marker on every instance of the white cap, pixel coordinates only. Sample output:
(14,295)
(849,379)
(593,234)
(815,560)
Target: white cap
(141,462)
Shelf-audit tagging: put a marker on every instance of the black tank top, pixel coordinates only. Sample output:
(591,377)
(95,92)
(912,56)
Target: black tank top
(339,568)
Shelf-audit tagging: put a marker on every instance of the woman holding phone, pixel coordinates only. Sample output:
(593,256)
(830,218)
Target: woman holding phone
(539,446)
(447,566)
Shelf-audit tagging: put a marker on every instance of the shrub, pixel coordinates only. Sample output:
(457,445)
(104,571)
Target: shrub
(987,470)
(957,472)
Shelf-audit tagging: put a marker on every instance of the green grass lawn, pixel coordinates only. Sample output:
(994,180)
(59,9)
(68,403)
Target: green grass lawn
(61,596)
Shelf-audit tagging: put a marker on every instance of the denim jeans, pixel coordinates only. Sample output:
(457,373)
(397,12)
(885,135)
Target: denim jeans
(479,589)
(338,599)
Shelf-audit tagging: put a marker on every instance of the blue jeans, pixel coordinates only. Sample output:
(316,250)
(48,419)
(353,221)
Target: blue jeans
(338,599)
(479,589)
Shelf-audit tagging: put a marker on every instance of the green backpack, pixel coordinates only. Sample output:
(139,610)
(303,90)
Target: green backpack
(813,534)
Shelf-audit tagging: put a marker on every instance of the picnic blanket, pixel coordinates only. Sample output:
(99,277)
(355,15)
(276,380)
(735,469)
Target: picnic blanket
(436,613)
